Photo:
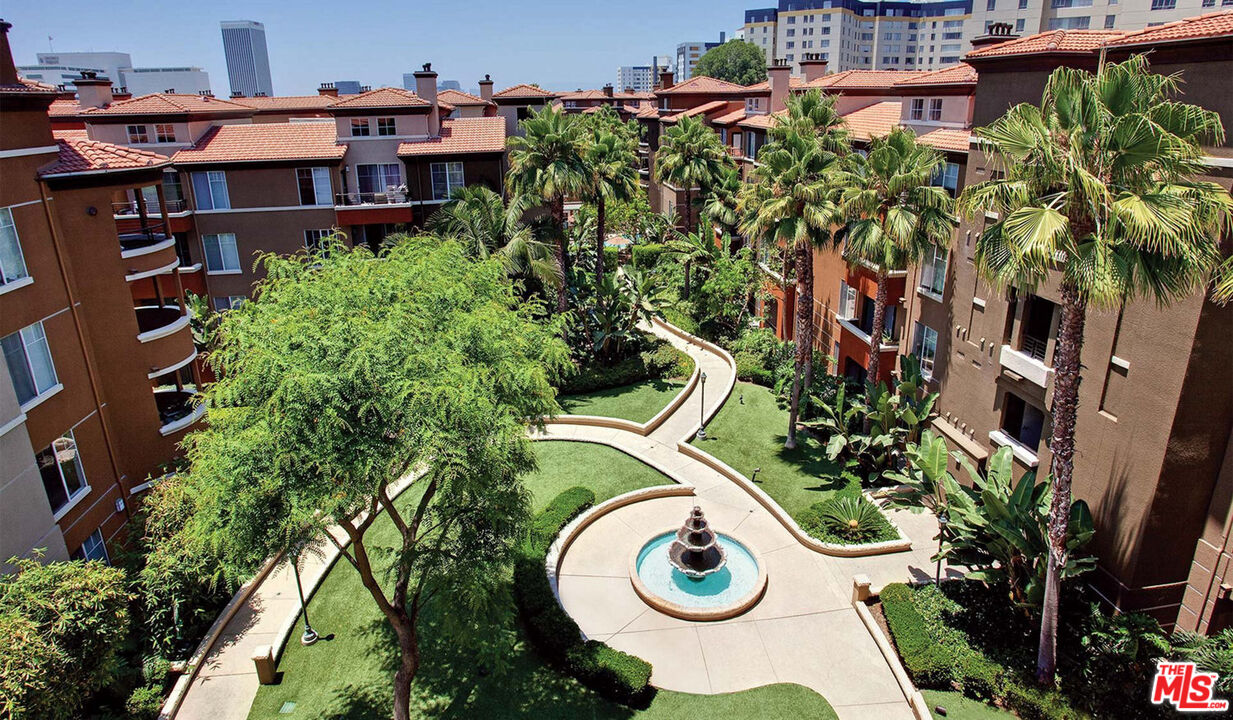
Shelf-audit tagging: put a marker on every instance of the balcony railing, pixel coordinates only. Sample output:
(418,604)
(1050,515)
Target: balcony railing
(1034,347)
(155,322)
(359,198)
(177,409)
(129,208)
(152,234)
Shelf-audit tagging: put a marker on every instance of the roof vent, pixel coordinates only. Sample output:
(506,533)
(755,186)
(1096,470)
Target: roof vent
(237,94)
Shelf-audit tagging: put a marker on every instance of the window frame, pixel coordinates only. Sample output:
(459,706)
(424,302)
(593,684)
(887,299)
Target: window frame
(933,272)
(230,302)
(315,175)
(935,109)
(314,236)
(213,180)
(359,180)
(138,134)
(223,259)
(81,555)
(916,109)
(41,386)
(389,124)
(448,170)
(920,343)
(16,254)
(163,131)
(82,484)
(360,127)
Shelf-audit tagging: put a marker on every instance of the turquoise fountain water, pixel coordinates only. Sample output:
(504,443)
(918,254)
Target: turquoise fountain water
(735,580)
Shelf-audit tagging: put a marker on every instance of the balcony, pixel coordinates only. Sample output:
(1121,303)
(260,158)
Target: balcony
(177,410)
(129,208)
(356,199)
(850,325)
(1027,363)
(154,322)
(143,240)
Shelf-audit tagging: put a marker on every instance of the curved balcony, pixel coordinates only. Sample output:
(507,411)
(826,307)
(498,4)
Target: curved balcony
(177,410)
(147,252)
(166,339)
(154,322)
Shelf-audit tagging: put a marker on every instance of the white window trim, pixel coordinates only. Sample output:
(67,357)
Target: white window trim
(1020,451)
(21,254)
(73,501)
(37,400)
(18,283)
(239,269)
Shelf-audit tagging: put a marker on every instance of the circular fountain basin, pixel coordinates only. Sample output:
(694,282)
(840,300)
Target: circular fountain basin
(726,593)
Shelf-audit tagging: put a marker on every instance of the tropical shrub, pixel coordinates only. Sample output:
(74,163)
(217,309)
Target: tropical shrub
(656,359)
(854,519)
(647,256)
(62,624)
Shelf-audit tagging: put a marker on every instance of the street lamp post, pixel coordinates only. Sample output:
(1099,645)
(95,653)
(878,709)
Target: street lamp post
(943,519)
(702,410)
(310,636)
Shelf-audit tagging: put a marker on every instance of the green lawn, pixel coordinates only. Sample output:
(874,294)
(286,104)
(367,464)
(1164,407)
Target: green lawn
(750,434)
(638,402)
(959,707)
(348,674)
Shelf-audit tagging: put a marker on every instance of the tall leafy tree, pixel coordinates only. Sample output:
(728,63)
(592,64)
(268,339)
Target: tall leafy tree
(612,174)
(799,210)
(693,249)
(894,215)
(690,157)
(347,373)
(1099,192)
(547,161)
(736,61)
(720,204)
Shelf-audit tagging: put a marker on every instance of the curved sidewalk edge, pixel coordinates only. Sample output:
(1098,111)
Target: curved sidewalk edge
(861,592)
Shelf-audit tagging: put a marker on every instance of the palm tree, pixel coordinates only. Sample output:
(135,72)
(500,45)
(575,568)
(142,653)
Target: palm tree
(797,208)
(611,164)
(693,249)
(476,217)
(719,205)
(547,162)
(1098,191)
(690,156)
(895,216)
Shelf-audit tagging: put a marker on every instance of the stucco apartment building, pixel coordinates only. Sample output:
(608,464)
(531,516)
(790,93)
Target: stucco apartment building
(927,34)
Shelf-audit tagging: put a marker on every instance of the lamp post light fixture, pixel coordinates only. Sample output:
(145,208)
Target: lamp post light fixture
(943,520)
(310,636)
(702,409)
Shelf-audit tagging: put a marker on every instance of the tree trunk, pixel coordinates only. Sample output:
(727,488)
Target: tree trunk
(685,292)
(688,229)
(409,665)
(875,333)
(558,218)
(599,240)
(1066,366)
(803,336)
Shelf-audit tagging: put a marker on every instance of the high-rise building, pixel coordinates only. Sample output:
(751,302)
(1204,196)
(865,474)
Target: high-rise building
(688,54)
(929,34)
(639,78)
(106,64)
(248,60)
(348,87)
(64,68)
(185,80)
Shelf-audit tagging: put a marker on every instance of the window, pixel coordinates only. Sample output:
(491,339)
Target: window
(138,134)
(210,190)
(1023,4)
(1109,21)
(933,271)
(221,253)
(173,191)
(947,176)
(359,127)
(1022,422)
(377,178)
(935,109)
(445,178)
(29,360)
(1209,3)
(1019,24)
(385,126)
(991,5)
(228,302)
(165,133)
(918,109)
(847,301)
(313,238)
(1164,4)
(314,185)
(183,249)
(925,347)
(93,549)
(12,261)
(60,465)
(1074,23)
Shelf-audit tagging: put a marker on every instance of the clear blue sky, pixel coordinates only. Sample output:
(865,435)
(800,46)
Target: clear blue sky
(560,45)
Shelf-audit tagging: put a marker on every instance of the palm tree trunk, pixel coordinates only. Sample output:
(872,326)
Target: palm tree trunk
(600,234)
(875,333)
(803,335)
(558,218)
(1066,366)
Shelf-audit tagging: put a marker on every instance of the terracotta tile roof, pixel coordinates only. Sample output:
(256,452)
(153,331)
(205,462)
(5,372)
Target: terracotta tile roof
(584,95)
(80,155)
(386,97)
(63,108)
(461,99)
(952,139)
(762,122)
(873,121)
(865,79)
(702,109)
(957,74)
(794,82)
(75,134)
(287,103)
(730,118)
(264,142)
(1052,42)
(170,104)
(647,111)
(25,85)
(703,86)
(1211,25)
(525,90)
(634,96)
(461,136)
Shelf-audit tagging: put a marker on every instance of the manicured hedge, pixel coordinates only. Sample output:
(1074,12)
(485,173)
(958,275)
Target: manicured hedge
(659,360)
(647,256)
(618,676)
(927,662)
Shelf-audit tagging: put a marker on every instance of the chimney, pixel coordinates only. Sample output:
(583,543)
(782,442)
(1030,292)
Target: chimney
(780,74)
(8,71)
(93,91)
(813,66)
(426,89)
(998,32)
(608,90)
(665,79)
(486,88)
(236,94)
(120,94)
(327,89)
